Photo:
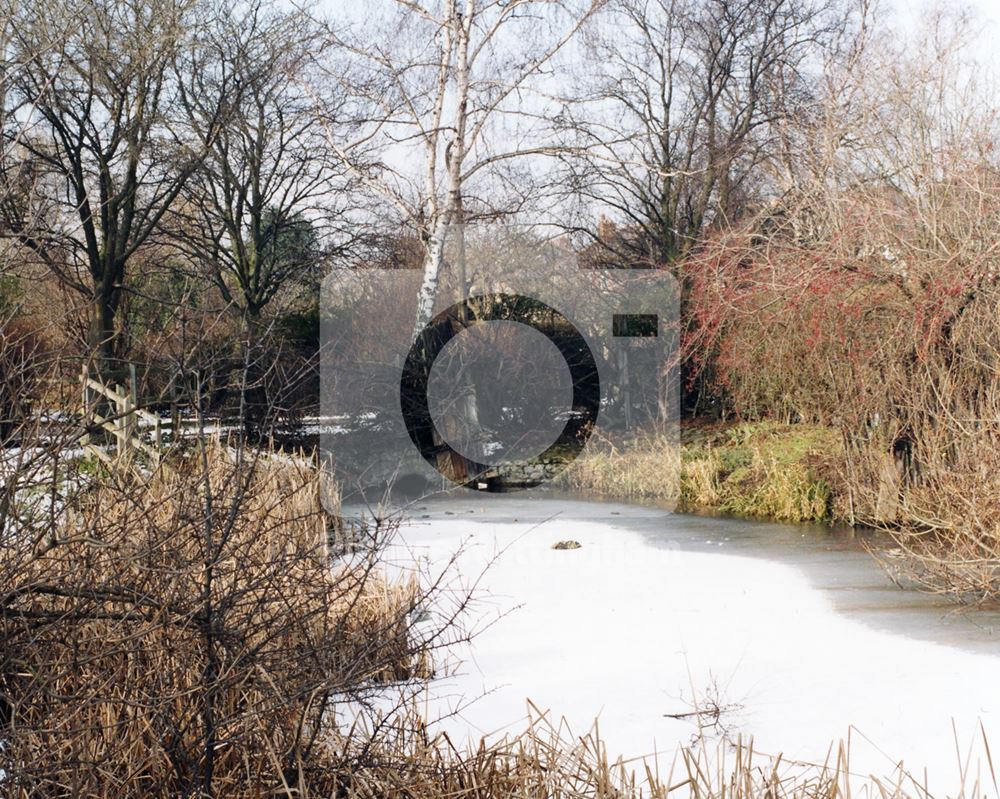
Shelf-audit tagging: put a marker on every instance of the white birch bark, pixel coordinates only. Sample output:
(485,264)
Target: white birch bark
(449,116)
(454,67)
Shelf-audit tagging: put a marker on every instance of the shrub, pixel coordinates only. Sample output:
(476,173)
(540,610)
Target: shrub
(186,632)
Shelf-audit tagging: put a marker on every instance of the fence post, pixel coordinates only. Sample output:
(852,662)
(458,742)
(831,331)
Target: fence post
(122,422)
(132,428)
(132,385)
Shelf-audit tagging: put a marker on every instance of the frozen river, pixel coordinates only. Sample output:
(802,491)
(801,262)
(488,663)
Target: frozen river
(793,632)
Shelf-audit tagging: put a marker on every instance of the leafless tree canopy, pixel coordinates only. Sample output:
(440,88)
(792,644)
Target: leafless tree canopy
(103,158)
(685,103)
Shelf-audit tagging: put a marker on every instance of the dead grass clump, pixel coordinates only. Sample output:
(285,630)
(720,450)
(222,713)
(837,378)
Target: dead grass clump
(647,467)
(701,481)
(548,760)
(186,633)
(785,492)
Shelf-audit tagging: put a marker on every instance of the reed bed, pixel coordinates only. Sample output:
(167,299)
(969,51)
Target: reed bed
(189,633)
(647,467)
(186,633)
(767,471)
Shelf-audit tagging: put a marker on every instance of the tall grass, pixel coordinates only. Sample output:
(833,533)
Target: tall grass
(785,492)
(547,761)
(761,470)
(701,481)
(645,467)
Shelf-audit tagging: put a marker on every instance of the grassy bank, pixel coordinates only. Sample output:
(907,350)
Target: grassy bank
(764,470)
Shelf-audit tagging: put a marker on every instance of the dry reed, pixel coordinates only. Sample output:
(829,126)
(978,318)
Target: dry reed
(186,633)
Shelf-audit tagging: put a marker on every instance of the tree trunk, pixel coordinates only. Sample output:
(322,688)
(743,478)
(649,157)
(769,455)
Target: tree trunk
(101,337)
(432,275)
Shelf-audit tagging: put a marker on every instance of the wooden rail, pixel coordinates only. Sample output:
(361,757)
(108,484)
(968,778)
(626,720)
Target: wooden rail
(122,422)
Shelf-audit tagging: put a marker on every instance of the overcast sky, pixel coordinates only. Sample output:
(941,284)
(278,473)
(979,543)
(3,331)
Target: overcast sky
(909,13)
(988,9)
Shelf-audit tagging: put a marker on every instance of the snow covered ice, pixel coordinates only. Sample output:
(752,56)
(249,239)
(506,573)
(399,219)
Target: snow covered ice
(798,646)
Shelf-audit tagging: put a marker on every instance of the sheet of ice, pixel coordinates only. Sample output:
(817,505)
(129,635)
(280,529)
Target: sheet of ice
(629,632)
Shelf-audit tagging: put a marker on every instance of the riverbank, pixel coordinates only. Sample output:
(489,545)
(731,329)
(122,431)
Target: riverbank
(764,470)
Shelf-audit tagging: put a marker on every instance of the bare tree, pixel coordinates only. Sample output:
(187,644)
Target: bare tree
(680,110)
(455,91)
(253,215)
(452,94)
(98,85)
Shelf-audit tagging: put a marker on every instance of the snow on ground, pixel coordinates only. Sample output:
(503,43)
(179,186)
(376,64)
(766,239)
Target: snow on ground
(627,632)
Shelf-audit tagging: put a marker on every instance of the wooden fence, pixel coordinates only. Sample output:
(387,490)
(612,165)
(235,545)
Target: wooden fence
(122,420)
